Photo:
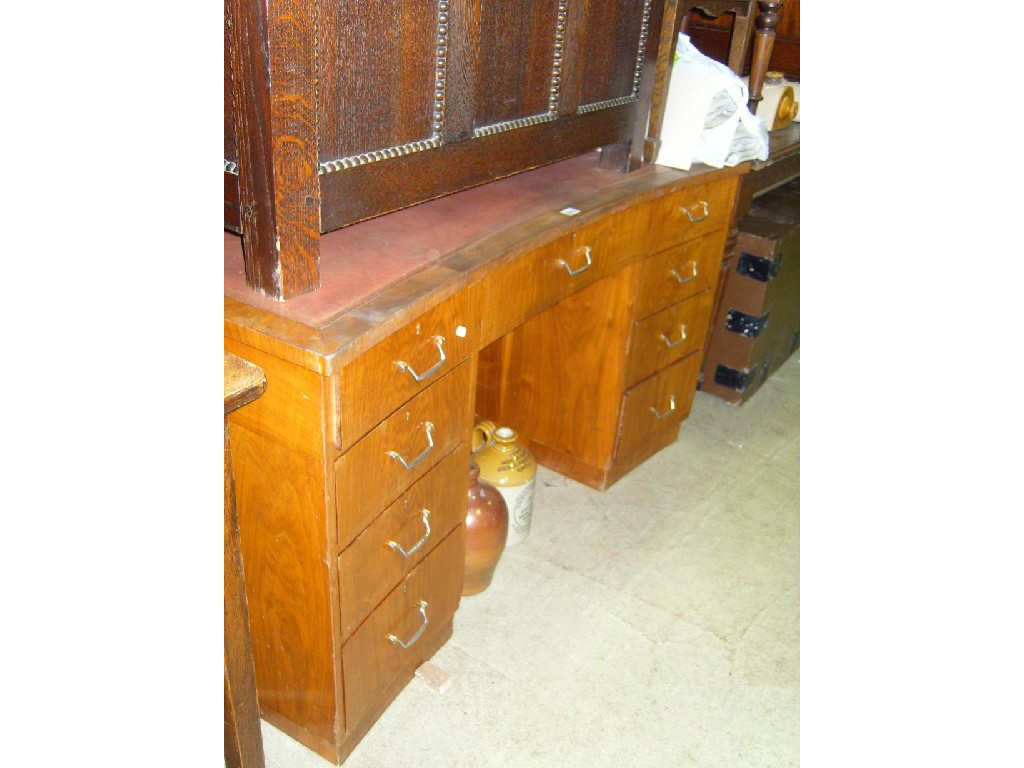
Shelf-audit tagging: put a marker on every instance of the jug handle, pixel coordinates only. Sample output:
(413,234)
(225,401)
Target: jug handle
(483,436)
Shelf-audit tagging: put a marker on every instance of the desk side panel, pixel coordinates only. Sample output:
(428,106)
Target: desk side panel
(283,496)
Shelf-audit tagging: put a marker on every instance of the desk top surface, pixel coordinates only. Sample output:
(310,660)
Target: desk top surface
(406,260)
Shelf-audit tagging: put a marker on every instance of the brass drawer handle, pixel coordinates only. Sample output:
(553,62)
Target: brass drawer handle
(684,280)
(581,270)
(393,639)
(428,427)
(671,407)
(690,215)
(672,344)
(404,366)
(394,546)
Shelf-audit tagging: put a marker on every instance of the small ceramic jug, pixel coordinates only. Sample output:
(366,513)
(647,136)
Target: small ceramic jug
(510,468)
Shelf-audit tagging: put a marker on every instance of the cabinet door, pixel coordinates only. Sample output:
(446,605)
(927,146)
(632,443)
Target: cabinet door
(420,98)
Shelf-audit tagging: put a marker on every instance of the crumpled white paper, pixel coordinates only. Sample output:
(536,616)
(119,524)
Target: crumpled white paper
(706,116)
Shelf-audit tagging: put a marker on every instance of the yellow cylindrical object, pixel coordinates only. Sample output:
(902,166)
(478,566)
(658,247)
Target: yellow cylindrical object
(780,101)
(510,468)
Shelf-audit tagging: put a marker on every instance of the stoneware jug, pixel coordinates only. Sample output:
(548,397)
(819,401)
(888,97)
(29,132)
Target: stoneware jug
(486,531)
(509,467)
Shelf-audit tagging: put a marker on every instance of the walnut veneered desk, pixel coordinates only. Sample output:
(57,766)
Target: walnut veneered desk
(569,303)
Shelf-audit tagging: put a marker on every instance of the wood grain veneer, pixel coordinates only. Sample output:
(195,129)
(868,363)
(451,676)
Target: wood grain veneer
(370,661)
(243,740)
(644,431)
(369,477)
(321,486)
(669,335)
(678,273)
(369,565)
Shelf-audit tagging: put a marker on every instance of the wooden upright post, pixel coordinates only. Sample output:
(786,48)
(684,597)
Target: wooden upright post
(273,79)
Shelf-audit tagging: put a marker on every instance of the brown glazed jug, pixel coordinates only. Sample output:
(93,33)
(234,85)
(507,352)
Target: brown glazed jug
(486,531)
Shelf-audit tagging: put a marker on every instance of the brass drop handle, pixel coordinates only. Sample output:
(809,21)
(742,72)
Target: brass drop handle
(394,546)
(684,280)
(673,344)
(428,427)
(703,216)
(394,640)
(404,366)
(671,407)
(572,273)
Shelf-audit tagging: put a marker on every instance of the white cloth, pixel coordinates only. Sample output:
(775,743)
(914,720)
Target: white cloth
(706,116)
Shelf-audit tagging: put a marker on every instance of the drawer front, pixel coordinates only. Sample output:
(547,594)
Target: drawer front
(669,335)
(653,410)
(371,660)
(401,450)
(616,239)
(678,273)
(690,213)
(544,277)
(398,540)
(404,364)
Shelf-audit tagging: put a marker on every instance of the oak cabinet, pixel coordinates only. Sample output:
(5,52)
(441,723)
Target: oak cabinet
(337,112)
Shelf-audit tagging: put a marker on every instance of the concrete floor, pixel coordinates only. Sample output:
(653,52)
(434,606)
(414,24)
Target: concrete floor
(656,625)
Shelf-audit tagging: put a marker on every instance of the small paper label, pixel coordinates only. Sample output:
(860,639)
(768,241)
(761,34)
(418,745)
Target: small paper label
(460,331)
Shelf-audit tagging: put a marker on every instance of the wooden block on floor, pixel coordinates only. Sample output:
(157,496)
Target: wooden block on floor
(434,676)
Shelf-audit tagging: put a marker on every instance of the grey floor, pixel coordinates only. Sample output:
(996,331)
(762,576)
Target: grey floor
(655,625)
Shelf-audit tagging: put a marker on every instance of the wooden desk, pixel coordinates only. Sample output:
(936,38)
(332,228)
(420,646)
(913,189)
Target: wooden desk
(569,303)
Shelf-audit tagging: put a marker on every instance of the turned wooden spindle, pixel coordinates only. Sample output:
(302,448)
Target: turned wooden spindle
(764,40)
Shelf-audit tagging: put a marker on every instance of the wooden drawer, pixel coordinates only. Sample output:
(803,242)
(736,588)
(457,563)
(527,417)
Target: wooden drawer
(401,537)
(371,662)
(401,450)
(404,364)
(670,335)
(653,410)
(690,213)
(534,282)
(678,273)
